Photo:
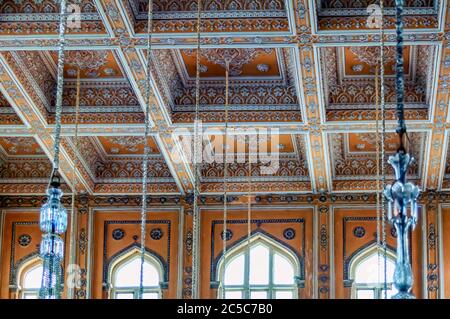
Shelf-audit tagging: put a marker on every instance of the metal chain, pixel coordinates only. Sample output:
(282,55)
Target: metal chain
(225,173)
(249,206)
(146,148)
(195,158)
(377,114)
(59,84)
(383,139)
(51,284)
(74,181)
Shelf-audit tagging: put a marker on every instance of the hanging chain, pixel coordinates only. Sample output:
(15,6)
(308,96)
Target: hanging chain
(383,155)
(59,85)
(249,205)
(195,157)
(378,142)
(225,174)
(52,277)
(146,148)
(72,250)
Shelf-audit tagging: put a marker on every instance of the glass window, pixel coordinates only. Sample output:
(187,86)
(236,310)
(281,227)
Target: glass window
(369,277)
(31,282)
(261,271)
(126,279)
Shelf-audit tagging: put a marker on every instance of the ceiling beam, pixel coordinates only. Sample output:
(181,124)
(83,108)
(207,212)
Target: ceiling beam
(437,154)
(18,91)
(135,67)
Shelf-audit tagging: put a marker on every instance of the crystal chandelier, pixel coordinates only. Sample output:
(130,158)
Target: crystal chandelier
(53,216)
(53,223)
(401,195)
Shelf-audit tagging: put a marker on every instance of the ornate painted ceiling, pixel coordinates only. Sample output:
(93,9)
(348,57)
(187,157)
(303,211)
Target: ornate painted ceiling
(305,69)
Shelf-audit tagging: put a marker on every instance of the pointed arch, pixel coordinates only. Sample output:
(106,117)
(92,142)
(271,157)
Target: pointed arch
(124,271)
(366,272)
(28,277)
(277,267)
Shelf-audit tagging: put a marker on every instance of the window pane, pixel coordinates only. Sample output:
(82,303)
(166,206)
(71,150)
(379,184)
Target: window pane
(283,271)
(283,295)
(233,294)
(367,270)
(33,277)
(150,295)
(258,295)
(124,295)
(365,294)
(234,271)
(128,274)
(259,265)
(30,296)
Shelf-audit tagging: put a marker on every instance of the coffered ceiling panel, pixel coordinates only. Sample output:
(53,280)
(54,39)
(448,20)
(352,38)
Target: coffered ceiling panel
(261,80)
(22,17)
(354,159)
(348,15)
(176,16)
(348,77)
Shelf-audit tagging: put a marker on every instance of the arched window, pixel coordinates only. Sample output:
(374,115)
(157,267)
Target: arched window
(262,270)
(125,277)
(30,277)
(367,272)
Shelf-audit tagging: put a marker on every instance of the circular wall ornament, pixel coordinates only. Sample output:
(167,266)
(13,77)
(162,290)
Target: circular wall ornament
(227,236)
(289,233)
(156,233)
(24,240)
(359,231)
(393,232)
(118,233)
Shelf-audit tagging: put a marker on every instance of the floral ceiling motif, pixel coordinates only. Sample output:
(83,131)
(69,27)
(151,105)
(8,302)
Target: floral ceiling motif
(372,55)
(234,58)
(86,60)
(23,146)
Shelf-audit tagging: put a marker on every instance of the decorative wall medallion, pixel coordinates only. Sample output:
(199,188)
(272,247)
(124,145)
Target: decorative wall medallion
(263,67)
(393,232)
(118,234)
(357,68)
(24,240)
(289,233)
(227,236)
(359,231)
(156,233)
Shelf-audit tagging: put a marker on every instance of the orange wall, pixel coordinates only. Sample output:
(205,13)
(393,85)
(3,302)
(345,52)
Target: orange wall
(18,223)
(272,222)
(105,246)
(346,244)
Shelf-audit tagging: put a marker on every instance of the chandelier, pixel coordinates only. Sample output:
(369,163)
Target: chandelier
(53,215)
(401,195)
